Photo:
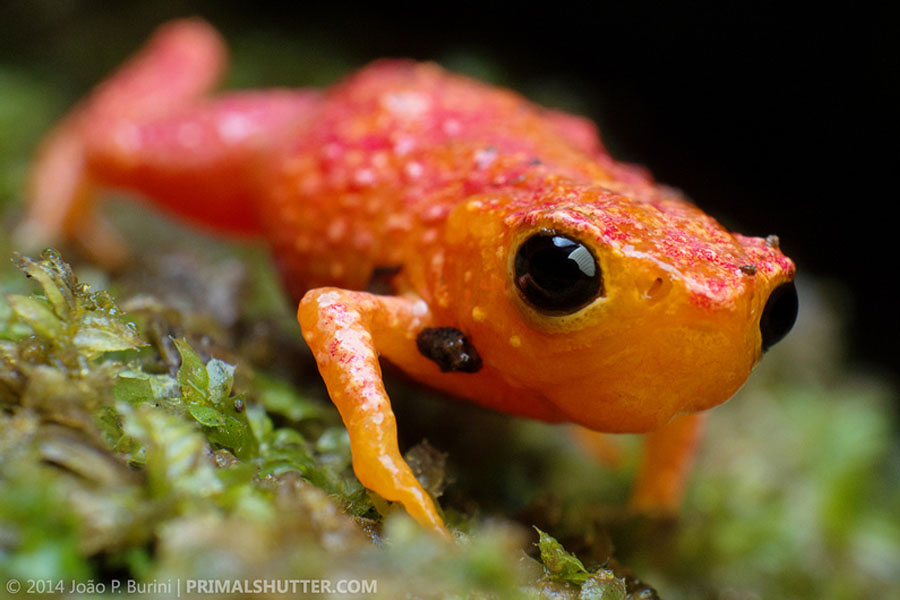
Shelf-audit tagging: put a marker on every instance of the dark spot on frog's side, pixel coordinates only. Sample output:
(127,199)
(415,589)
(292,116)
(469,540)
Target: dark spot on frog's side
(382,280)
(449,348)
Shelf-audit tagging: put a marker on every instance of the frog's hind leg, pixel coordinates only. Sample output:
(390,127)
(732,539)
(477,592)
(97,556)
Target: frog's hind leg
(201,163)
(148,129)
(181,62)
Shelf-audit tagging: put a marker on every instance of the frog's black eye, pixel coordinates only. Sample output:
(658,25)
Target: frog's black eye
(556,274)
(779,314)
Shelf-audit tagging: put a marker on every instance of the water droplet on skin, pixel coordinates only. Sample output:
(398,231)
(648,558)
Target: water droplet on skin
(451,127)
(404,145)
(336,230)
(235,127)
(430,236)
(484,158)
(398,222)
(414,170)
(406,105)
(364,177)
(380,160)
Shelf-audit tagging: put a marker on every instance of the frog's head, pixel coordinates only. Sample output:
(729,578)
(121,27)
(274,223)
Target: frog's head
(622,313)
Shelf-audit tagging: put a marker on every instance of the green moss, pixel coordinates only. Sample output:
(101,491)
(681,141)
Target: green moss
(561,566)
(127,460)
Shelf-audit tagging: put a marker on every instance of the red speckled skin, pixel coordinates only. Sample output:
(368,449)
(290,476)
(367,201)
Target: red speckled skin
(405,165)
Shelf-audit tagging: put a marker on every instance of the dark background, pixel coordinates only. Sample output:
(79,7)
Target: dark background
(773,117)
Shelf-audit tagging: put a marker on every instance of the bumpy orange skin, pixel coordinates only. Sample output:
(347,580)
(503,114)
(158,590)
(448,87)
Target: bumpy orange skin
(404,165)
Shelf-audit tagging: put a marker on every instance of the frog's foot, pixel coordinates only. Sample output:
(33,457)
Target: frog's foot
(347,331)
(668,454)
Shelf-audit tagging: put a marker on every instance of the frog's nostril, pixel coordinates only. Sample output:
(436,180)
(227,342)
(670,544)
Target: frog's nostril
(779,314)
(657,289)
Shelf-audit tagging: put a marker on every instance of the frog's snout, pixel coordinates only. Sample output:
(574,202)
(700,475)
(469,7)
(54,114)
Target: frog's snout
(779,314)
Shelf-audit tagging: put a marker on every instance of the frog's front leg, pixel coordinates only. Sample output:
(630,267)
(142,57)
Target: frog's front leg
(668,453)
(347,331)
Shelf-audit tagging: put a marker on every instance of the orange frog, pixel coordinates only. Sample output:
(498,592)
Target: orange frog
(525,269)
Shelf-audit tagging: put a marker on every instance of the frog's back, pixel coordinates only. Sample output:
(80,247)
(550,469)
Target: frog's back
(391,151)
